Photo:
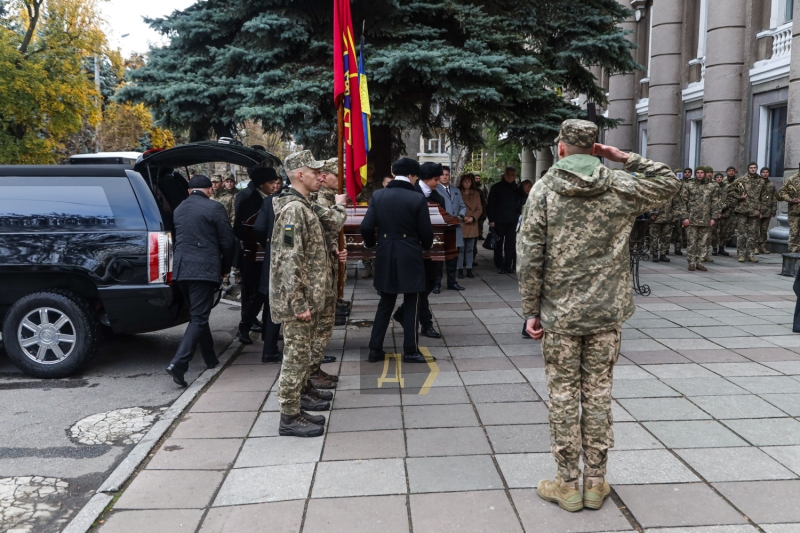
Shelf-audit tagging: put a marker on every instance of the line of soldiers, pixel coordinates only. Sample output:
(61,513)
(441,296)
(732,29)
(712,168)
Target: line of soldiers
(705,212)
(223,190)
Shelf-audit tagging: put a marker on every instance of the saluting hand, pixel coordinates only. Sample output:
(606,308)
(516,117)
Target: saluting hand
(340,198)
(609,152)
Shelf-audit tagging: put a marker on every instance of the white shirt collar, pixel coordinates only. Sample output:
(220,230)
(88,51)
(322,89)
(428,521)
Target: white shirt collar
(402,178)
(425,189)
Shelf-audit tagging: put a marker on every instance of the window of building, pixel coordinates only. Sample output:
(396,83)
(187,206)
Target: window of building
(781,12)
(702,29)
(776,140)
(787,17)
(643,138)
(695,142)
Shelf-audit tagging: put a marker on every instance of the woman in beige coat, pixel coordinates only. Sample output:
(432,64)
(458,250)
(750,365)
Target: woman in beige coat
(469,226)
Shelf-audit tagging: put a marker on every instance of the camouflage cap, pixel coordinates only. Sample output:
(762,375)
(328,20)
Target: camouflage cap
(216,178)
(581,133)
(331,165)
(229,176)
(301,159)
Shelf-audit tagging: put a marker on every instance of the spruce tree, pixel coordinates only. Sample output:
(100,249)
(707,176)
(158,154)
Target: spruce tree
(460,64)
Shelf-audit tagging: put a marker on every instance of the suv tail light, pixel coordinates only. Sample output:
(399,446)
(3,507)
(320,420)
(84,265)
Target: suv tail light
(160,256)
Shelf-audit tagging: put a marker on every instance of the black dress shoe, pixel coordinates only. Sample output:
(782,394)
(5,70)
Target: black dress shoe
(328,359)
(255,328)
(415,358)
(430,332)
(455,287)
(376,356)
(276,358)
(213,364)
(437,289)
(177,377)
(244,338)
(501,271)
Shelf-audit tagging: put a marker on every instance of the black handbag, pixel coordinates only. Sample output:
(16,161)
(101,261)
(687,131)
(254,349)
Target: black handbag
(490,242)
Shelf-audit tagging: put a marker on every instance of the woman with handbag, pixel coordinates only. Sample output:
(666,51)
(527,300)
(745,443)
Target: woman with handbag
(469,226)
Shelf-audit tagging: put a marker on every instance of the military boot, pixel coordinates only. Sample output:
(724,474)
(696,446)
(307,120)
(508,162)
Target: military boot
(565,493)
(691,268)
(678,251)
(324,374)
(663,258)
(595,490)
(741,259)
(321,382)
(655,258)
(764,250)
(314,419)
(707,259)
(309,403)
(368,272)
(752,259)
(299,426)
(722,251)
(701,267)
(323,395)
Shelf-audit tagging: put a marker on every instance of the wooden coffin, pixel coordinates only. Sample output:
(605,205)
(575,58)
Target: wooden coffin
(444,234)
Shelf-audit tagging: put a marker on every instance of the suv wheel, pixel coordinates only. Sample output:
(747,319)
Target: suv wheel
(50,334)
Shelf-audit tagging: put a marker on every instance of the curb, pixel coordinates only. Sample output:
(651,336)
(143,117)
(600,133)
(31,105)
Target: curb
(97,504)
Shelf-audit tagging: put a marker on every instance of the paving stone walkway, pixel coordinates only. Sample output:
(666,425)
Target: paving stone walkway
(706,408)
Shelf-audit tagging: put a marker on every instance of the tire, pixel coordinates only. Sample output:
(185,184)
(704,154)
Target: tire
(67,341)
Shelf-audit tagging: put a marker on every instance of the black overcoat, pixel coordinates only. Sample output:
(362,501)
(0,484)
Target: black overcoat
(246,204)
(398,221)
(263,232)
(204,240)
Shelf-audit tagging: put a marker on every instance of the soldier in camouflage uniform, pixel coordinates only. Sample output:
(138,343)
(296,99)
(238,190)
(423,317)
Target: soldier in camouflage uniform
(364,197)
(746,195)
(574,274)
(727,213)
(770,210)
(679,232)
(790,193)
(300,280)
(720,229)
(662,224)
(330,208)
(701,206)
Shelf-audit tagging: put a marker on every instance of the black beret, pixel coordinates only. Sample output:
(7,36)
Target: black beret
(405,166)
(430,170)
(199,181)
(261,175)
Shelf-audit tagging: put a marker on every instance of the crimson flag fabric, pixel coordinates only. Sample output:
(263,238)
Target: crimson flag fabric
(346,91)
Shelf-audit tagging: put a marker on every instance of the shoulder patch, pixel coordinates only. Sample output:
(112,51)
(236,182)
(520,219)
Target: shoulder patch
(649,174)
(288,235)
(318,209)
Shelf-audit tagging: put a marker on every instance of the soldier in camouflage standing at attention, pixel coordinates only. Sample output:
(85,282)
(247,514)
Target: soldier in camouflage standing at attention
(330,208)
(790,193)
(300,279)
(720,229)
(746,196)
(770,210)
(662,224)
(573,266)
(701,207)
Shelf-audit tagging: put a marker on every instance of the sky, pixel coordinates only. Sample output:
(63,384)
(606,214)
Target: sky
(126,17)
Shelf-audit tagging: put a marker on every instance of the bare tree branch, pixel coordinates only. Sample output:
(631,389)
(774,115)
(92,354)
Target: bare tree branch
(34,8)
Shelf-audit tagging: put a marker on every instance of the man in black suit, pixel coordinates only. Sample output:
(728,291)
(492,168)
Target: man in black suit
(204,244)
(399,216)
(263,231)
(248,203)
(428,181)
(505,207)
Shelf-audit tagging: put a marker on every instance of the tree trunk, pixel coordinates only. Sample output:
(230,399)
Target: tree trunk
(380,155)
(33,9)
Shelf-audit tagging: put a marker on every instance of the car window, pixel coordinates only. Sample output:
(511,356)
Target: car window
(68,204)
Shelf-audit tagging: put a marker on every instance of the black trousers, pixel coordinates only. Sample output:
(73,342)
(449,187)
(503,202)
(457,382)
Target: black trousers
(271,329)
(450,266)
(424,308)
(505,253)
(796,288)
(252,300)
(200,298)
(384,315)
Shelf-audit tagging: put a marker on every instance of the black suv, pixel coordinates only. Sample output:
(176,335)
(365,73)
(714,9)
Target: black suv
(89,246)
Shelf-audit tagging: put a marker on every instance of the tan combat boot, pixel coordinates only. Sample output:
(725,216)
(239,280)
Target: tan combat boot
(566,494)
(368,272)
(752,259)
(741,259)
(691,267)
(764,250)
(701,267)
(595,490)
(708,259)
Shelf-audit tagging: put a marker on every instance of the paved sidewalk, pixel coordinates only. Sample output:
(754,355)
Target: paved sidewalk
(707,403)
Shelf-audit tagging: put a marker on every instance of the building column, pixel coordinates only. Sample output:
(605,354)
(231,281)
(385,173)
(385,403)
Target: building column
(792,148)
(544,160)
(621,105)
(664,121)
(724,97)
(528,164)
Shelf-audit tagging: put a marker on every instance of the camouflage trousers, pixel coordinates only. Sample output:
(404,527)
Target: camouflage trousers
(298,338)
(722,232)
(697,248)
(794,234)
(679,236)
(748,229)
(715,232)
(763,231)
(323,334)
(660,237)
(579,373)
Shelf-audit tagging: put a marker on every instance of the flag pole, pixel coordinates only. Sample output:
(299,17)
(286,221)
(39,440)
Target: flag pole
(340,160)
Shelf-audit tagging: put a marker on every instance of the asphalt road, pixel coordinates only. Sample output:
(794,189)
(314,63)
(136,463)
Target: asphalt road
(36,415)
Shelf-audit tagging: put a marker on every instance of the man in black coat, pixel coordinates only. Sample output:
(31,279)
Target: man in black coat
(505,207)
(264,225)
(248,203)
(204,244)
(426,184)
(399,216)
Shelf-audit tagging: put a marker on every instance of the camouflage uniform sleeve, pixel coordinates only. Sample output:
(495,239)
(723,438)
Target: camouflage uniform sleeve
(783,194)
(331,218)
(716,203)
(773,194)
(657,186)
(734,193)
(292,259)
(531,240)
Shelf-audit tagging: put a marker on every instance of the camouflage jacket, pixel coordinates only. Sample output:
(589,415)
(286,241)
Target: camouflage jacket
(789,190)
(227,199)
(573,258)
(366,193)
(300,267)
(753,187)
(726,206)
(701,201)
(669,211)
(332,216)
(770,199)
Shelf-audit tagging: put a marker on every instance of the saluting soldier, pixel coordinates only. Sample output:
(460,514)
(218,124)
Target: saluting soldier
(575,279)
(300,277)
